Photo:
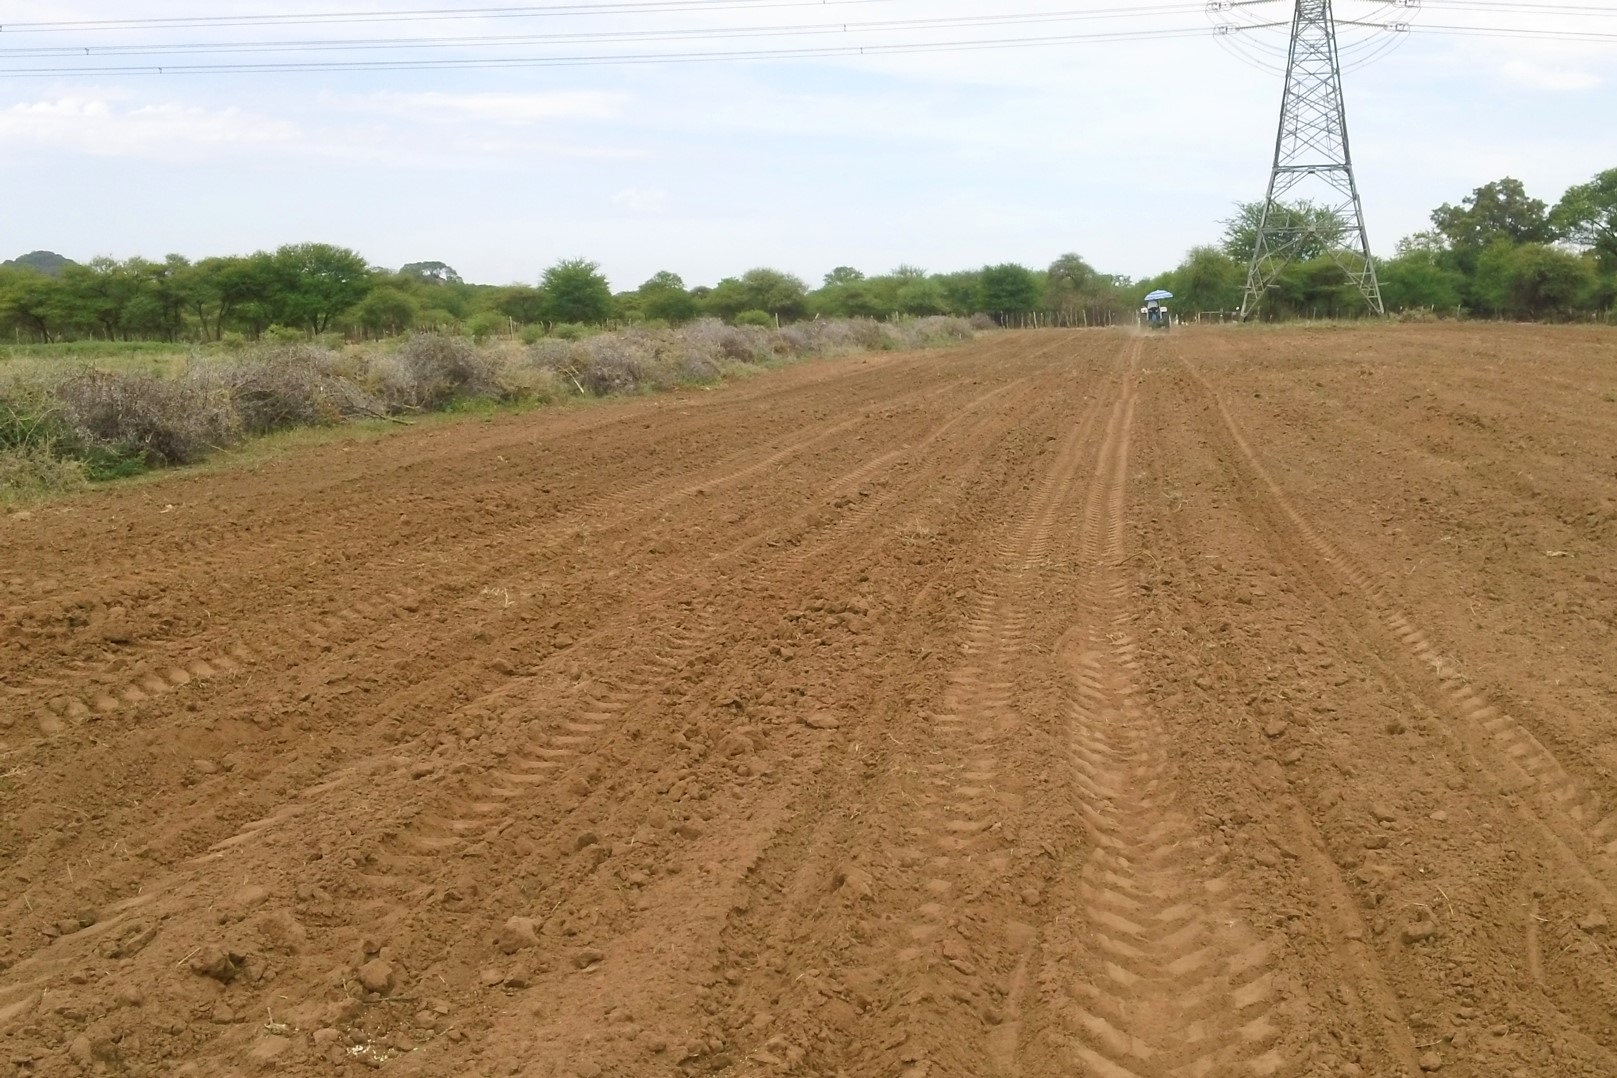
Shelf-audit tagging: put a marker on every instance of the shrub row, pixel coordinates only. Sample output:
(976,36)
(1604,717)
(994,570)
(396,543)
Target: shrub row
(58,433)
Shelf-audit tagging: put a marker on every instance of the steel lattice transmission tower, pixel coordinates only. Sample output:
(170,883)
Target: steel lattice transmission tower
(1312,158)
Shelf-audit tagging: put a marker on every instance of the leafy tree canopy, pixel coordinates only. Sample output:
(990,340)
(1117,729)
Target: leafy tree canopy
(576,291)
(1009,289)
(319,282)
(781,294)
(431,272)
(663,281)
(1316,228)
(1501,210)
(1587,216)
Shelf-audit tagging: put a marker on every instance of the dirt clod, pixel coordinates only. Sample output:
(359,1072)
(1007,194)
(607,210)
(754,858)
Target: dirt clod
(217,963)
(517,934)
(377,976)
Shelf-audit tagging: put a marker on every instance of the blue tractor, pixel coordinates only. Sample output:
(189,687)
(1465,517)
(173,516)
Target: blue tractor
(1154,315)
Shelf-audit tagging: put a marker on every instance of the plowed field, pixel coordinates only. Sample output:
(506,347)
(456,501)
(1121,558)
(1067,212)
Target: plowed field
(1081,704)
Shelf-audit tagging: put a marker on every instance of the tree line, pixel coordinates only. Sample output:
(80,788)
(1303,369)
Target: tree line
(311,289)
(1498,253)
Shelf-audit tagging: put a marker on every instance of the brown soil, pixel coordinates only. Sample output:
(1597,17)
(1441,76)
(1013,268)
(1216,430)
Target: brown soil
(1229,703)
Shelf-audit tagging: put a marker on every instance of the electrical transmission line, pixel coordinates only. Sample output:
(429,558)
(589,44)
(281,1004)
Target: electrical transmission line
(1312,155)
(1244,26)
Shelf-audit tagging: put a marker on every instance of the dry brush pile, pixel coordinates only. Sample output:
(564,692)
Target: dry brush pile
(59,432)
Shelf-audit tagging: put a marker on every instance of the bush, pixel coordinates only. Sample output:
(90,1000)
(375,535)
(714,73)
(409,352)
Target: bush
(290,386)
(610,372)
(940,329)
(430,371)
(284,335)
(158,420)
(36,441)
(98,424)
(755,318)
(531,334)
(29,417)
(693,369)
(32,470)
(486,324)
(437,320)
(709,336)
(535,384)
(1417,315)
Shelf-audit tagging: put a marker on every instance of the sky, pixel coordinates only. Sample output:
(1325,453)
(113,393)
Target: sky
(1125,151)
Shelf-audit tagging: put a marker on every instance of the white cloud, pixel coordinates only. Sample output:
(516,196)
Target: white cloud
(1558,79)
(109,128)
(512,109)
(641,200)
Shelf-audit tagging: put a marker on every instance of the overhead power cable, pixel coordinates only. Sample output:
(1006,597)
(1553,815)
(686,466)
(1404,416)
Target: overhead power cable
(597,36)
(1249,37)
(1521,7)
(470,63)
(1515,31)
(528,11)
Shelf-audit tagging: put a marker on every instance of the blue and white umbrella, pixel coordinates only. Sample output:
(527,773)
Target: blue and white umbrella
(1160,293)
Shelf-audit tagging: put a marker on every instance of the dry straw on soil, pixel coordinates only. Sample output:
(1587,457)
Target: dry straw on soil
(55,430)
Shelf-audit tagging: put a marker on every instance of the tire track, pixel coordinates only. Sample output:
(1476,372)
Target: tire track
(1163,977)
(1371,623)
(1575,822)
(130,681)
(551,747)
(550,737)
(651,495)
(826,841)
(960,850)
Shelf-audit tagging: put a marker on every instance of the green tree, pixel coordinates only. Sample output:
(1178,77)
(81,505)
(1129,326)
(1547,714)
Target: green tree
(94,295)
(431,272)
(962,289)
(847,299)
(1067,282)
(576,291)
(663,297)
(35,303)
(316,282)
(1207,280)
(1008,289)
(1587,216)
(1318,228)
(523,304)
(1532,280)
(922,296)
(213,288)
(781,294)
(1501,210)
(843,275)
(387,311)
(724,300)
(1418,278)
